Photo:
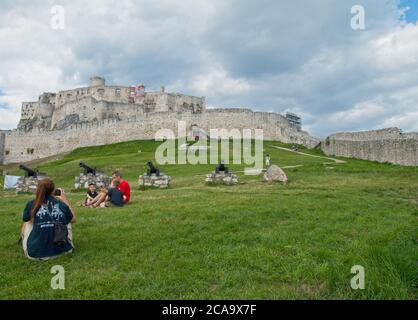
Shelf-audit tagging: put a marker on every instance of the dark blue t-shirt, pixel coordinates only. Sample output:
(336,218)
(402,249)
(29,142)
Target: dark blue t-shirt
(41,239)
(116,196)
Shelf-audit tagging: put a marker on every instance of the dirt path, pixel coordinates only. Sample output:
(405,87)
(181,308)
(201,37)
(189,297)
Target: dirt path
(311,155)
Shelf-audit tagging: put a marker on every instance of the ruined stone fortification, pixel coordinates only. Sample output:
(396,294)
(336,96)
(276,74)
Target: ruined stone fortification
(386,145)
(2,141)
(101,114)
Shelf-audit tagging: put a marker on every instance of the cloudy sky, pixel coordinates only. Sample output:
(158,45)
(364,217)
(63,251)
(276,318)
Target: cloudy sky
(270,55)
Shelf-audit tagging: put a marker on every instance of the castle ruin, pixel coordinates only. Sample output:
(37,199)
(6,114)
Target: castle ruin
(389,145)
(102,114)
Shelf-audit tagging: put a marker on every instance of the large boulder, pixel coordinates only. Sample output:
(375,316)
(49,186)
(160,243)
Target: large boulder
(274,173)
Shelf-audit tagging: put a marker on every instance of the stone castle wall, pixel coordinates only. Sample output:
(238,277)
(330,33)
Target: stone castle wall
(100,114)
(386,145)
(57,111)
(23,146)
(2,143)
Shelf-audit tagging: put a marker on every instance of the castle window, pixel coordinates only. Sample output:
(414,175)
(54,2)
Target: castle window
(100,92)
(7,152)
(117,92)
(68,95)
(30,151)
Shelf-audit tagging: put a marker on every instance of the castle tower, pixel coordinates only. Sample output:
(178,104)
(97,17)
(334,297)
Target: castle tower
(46,107)
(97,81)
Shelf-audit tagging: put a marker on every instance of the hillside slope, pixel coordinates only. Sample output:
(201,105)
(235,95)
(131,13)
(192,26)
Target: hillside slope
(250,241)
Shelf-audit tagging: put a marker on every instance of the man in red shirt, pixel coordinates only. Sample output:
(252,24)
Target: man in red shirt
(123,186)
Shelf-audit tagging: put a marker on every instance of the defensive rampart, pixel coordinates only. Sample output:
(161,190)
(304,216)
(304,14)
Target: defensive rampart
(386,145)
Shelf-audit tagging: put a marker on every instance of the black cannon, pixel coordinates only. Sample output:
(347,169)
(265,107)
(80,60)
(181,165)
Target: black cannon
(29,172)
(88,169)
(221,168)
(151,169)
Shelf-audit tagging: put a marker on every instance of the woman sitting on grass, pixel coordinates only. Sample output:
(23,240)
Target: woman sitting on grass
(46,230)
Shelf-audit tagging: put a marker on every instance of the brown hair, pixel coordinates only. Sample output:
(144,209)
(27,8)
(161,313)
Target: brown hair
(116,173)
(45,188)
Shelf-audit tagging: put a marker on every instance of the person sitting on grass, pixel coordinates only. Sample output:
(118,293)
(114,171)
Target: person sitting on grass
(123,186)
(99,200)
(115,197)
(46,230)
(91,195)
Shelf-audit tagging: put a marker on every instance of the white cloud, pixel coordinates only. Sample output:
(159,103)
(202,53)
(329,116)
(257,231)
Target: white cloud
(405,120)
(300,56)
(217,82)
(397,50)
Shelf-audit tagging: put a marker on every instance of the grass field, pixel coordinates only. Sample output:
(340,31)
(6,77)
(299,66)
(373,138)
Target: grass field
(249,241)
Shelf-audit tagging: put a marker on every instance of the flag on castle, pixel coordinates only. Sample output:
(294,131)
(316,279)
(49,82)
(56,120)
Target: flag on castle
(136,93)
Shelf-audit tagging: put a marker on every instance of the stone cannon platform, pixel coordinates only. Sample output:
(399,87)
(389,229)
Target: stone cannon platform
(162,181)
(83,180)
(28,184)
(221,178)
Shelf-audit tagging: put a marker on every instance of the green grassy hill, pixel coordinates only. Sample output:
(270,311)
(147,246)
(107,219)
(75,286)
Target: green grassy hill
(250,241)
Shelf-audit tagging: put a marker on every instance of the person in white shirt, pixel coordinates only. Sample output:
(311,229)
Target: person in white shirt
(267,161)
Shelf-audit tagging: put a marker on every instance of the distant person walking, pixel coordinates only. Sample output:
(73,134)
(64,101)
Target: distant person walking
(46,230)
(267,161)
